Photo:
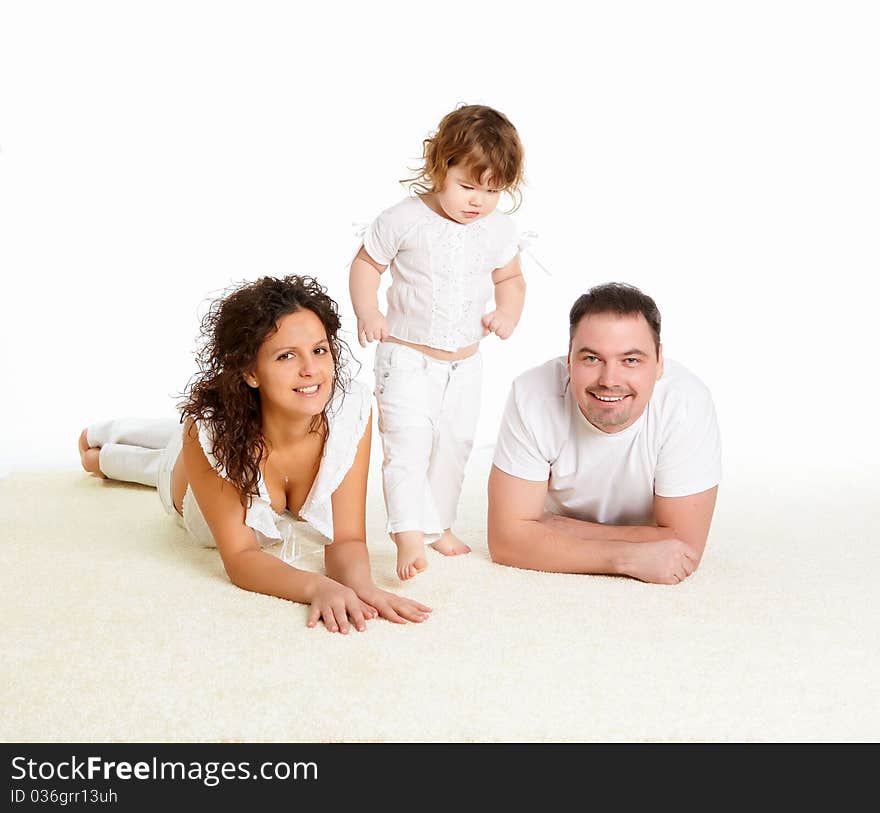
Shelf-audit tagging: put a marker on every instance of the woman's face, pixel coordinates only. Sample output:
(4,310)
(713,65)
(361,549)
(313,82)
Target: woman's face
(294,367)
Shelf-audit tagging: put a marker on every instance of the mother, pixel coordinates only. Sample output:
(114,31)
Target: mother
(272,431)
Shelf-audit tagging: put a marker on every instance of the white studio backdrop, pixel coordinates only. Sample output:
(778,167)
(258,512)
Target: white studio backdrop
(721,156)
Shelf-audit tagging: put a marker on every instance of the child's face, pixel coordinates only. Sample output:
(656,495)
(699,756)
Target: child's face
(465,201)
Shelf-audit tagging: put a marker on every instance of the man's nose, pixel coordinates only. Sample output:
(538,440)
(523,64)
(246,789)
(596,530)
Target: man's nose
(608,376)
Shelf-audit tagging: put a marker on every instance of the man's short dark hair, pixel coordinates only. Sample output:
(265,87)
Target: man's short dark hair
(619,298)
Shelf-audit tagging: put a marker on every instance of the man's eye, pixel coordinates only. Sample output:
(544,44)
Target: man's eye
(631,360)
(590,359)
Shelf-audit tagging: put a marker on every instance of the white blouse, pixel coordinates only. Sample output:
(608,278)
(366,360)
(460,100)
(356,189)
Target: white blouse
(441,271)
(347,418)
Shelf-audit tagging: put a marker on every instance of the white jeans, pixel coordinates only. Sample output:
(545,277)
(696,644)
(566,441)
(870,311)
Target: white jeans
(139,450)
(428,412)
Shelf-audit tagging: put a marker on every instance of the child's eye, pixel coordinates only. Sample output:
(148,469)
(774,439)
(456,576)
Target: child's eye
(466,187)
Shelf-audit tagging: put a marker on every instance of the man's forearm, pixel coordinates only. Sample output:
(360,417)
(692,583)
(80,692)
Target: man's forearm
(581,529)
(547,546)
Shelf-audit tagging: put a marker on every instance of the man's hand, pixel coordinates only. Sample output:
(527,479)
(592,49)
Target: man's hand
(669,561)
(499,322)
(372,327)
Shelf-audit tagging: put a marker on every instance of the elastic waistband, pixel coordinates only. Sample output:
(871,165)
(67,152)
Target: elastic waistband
(387,348)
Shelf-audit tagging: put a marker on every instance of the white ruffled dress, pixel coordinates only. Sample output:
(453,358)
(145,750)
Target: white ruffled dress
(347,418)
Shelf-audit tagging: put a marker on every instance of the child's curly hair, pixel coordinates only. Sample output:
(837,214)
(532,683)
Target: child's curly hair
(233,330)
(478,138)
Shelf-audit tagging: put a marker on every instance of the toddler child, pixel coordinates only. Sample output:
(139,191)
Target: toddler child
(450,251)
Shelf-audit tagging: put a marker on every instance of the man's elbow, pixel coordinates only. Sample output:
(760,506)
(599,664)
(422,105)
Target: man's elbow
(502,545)
(696,546)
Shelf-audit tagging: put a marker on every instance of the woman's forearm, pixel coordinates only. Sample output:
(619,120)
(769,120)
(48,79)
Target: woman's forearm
(261,572)
(348,563)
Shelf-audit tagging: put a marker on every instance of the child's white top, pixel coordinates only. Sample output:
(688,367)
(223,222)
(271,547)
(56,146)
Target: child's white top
(347,418)
(441,271)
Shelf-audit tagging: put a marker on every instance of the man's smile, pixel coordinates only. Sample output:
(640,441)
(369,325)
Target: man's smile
(608,399)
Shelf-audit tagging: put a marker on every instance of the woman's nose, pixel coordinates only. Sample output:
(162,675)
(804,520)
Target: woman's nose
(308,366)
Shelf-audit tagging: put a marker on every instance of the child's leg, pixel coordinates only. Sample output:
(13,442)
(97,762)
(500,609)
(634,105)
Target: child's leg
(456,427)
(127,449)
(406,401)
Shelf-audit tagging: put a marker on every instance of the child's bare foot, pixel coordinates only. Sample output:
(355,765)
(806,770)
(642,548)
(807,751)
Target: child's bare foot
(88,455)
(410,553)
(449,544)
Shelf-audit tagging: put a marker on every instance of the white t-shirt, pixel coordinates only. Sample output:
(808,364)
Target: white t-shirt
(441,271)
(672,450)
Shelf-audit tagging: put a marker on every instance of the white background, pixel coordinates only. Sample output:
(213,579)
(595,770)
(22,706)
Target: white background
(725,157)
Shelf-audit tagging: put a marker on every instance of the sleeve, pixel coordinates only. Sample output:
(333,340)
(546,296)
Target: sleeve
(517,452)
(690,457)
(382,237)
(508,243)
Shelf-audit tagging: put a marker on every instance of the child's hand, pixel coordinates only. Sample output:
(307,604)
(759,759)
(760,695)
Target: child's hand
(372,328)
(499,322)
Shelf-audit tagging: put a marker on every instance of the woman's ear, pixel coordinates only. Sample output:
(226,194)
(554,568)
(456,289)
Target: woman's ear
(250,379)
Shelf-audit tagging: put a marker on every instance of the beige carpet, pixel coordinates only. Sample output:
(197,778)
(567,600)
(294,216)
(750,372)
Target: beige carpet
(117,629)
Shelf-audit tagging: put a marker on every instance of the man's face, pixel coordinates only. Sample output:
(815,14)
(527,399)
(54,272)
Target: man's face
(613,366)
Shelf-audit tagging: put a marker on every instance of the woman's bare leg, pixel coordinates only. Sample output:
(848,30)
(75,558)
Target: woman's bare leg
(89,455)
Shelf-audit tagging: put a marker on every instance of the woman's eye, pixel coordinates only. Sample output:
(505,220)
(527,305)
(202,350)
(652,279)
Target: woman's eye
(285,356)
(321,351)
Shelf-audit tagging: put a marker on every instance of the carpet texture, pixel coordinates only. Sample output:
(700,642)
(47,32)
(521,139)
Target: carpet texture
(118,629)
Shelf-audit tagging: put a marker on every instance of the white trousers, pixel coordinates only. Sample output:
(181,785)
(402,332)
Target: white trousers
(428,411)
(139,450)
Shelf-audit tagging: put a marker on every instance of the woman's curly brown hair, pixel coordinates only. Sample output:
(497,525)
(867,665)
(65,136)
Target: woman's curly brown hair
(232,331)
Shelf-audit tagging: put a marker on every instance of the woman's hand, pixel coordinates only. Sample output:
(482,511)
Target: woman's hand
(334,603)
(392,607)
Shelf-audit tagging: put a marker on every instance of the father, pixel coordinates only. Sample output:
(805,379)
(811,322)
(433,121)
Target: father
(607,461)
